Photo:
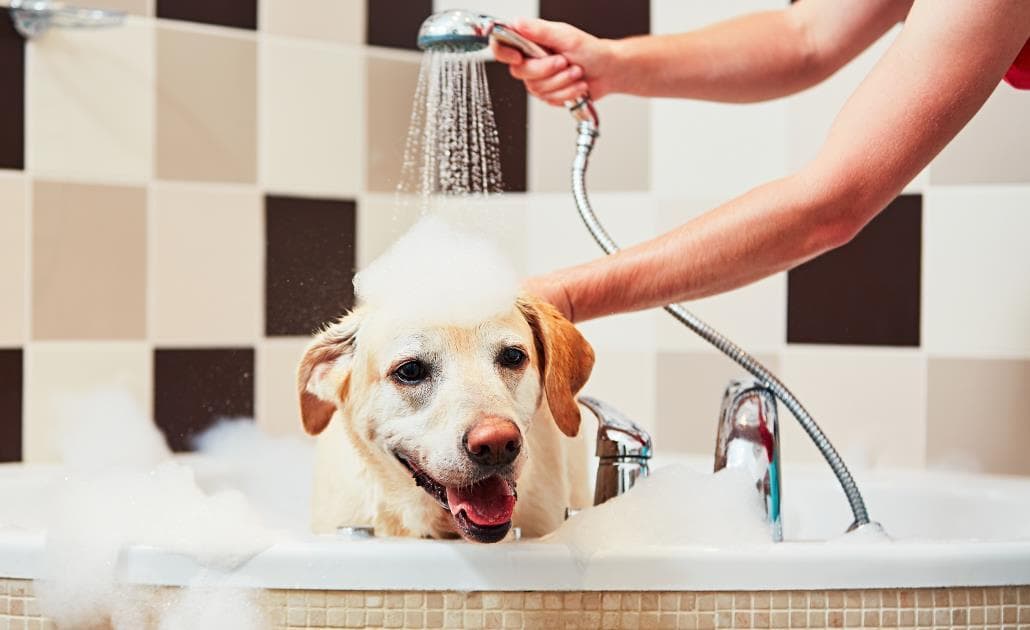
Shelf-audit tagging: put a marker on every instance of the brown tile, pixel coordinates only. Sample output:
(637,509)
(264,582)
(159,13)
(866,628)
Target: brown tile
(866,292)
(511,105)
(390,87)
(991,391)
(12,96)
(395,23)
(88,261)
(309,262)
(206,106)
(234,13)
(193,388)
(601,18)
(10,405)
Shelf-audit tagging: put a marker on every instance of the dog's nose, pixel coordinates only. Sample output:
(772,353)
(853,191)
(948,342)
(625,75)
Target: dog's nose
(493,442)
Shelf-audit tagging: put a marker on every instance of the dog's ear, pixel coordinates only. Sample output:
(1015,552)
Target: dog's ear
(565,360)
(323,376)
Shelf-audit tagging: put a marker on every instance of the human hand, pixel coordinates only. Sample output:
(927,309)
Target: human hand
(552,291)
(581,63)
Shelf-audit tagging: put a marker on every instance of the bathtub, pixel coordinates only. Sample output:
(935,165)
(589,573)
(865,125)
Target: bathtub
(960,558)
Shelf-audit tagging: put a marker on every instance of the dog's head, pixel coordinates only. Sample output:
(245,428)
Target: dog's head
(448,405)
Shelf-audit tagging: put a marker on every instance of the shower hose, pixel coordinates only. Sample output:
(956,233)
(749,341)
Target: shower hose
(587,134)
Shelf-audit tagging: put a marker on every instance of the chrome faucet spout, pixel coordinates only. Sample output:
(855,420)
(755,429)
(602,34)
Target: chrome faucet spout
(749,439)
(623,450)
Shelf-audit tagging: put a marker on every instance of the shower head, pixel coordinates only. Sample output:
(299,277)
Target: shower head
(462,31)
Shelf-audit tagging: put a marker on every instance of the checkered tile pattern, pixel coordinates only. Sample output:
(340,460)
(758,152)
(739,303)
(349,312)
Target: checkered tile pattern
(183,199)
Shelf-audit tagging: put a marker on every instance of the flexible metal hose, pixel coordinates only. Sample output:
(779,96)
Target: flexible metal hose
(584,145)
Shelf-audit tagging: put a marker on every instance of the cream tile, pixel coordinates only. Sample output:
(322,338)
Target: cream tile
(206,265)
(341,21)
(206,105)
(58,370)
(976,271)
(621,159)
(871,403)
(278,410)
(993,148)
(382,219)
(13,215)
(625,380)
(977,415)
(311,118)
(134,7)
(88,261)
(689,394)
(92,97)
(390,80)
(754,316)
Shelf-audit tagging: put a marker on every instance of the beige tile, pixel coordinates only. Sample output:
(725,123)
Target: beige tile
(134,7)
(689,393)
(621,159)
(990,393)
(57,370)
(13,215)
(92,98)
(312,131)
(381,221)
(991,149)
(277,408)
(883,424)
(390,80)
(88,261)
(206,105)
(341,21)
(206,259)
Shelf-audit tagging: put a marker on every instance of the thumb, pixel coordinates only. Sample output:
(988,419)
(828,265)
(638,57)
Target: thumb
(558,37)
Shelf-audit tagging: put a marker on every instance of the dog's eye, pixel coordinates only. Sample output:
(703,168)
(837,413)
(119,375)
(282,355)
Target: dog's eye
(412,372)
(511,357)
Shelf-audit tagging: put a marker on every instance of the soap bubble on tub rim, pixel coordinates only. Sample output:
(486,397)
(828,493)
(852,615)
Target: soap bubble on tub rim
(437,273)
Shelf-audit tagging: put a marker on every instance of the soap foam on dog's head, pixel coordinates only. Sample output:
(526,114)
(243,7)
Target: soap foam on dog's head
(437,274)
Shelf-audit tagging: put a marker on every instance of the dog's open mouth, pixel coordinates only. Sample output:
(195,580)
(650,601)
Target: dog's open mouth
(482,512)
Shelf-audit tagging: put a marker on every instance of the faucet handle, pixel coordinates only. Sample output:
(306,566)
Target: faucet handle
(617,435)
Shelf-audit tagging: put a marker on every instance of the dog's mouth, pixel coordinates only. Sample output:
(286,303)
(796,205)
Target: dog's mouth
(481,512)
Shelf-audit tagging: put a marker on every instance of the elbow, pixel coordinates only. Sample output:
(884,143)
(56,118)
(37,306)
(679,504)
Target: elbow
(833,215)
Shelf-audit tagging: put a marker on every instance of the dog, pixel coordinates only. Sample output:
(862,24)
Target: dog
(440,431)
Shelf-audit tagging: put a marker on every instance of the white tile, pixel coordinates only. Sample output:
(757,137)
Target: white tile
(621,158)
(716,149)
(625,380)
(993,148)
(13,216)
(278,406)
(496,8)
(205,271)
(754,316)
(312,130)
(91,102)
(976,271)
(56,370)
(871,403)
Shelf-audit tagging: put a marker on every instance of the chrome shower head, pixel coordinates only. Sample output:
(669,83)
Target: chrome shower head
(456,30)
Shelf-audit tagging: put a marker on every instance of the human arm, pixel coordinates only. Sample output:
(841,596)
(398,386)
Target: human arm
(753,57)
(931,81)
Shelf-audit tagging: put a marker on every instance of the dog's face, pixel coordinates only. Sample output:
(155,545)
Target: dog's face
(448,405)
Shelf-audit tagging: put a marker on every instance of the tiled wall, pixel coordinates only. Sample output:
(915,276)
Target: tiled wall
(184,198)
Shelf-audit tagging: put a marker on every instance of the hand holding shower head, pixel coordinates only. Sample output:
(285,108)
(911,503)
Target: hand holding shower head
(463,31)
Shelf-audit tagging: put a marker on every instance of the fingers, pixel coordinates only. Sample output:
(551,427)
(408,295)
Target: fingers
(566,95)
(537,69)
(505,54)
(556,82)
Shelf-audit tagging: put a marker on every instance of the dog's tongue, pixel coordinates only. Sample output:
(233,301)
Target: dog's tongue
(489,502)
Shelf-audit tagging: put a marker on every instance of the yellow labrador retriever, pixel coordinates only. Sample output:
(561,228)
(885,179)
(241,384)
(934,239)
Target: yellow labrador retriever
(438,430)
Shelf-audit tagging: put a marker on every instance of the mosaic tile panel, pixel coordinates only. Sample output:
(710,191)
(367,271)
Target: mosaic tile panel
(948,609)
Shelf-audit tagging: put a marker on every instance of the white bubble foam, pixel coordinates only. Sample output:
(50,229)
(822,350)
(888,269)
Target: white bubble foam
(438,274)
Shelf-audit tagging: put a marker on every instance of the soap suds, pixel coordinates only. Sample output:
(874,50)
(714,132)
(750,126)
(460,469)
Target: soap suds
(438,274)
(674,506)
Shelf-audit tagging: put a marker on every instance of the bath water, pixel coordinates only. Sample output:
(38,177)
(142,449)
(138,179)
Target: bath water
(452,147)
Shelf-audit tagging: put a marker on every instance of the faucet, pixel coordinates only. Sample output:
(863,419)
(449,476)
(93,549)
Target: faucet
(749,439)
(623,450)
